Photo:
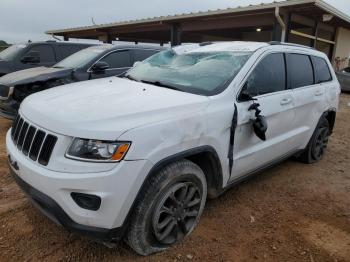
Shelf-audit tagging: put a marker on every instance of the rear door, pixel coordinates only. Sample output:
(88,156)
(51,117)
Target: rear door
(268,84)
(309,94)
(65,50)
(119,62)
(142,54)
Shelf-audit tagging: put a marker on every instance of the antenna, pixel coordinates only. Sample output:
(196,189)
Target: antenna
(93,21)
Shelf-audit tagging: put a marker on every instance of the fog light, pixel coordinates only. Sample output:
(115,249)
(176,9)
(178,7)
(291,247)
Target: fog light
(86,201)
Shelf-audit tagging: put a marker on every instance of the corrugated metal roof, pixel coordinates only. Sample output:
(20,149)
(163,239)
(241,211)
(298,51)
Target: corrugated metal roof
(238,6)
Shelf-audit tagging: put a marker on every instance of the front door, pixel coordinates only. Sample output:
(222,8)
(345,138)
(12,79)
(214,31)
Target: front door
(268,84)
(119,62)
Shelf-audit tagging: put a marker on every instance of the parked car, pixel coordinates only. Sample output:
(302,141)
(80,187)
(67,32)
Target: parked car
(344,79)
(91,63)
(34,54)
(135,158)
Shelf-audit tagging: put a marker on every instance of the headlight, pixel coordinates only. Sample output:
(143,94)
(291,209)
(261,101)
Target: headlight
(97,151)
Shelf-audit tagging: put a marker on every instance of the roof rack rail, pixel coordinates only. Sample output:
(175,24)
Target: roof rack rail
(289,44)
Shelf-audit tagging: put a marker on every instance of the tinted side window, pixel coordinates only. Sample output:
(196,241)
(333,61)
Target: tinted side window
(322,73)
(46,52)
(118,59)
(300,70)
(67,50)
(268,76)
(140,55)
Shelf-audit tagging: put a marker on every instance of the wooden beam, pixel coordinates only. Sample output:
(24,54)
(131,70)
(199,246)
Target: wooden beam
(232,22)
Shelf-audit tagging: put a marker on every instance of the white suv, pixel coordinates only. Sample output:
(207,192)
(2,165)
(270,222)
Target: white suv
(136,158)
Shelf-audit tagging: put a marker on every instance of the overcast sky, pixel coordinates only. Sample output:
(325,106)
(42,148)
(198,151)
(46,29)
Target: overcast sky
(21,20)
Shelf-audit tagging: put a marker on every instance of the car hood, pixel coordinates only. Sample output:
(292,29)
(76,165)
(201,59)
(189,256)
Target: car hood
(106,108)
(37,74)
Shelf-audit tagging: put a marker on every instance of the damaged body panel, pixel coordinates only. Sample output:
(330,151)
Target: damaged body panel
(15,87)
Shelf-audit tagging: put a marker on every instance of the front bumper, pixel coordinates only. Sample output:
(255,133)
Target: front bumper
(52,210)
(51,192)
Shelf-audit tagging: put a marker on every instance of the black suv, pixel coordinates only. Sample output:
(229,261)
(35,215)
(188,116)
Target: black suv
(24,56)
(91,63)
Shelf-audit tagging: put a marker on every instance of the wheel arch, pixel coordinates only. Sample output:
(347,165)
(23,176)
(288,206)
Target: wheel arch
(205,157)
(330,115)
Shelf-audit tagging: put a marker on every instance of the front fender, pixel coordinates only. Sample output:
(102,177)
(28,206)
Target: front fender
(158,140)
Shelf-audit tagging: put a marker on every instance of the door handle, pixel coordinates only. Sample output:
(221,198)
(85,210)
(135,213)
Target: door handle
(286,101)
(318,93)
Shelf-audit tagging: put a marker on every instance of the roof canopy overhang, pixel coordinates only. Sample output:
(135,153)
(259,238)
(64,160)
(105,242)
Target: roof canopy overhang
(217,23)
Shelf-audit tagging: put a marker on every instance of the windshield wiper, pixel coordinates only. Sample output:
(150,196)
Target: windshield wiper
(161,84)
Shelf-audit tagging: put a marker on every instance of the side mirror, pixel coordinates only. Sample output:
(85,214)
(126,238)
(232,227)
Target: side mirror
(100,67)
(260,127)
(245,95)
(32,57)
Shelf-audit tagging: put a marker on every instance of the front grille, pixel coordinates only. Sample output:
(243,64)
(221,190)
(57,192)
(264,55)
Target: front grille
(33,142)
(4,91)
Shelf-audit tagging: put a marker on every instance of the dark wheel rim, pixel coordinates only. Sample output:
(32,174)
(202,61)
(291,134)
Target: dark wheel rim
(321,143)
(177,212)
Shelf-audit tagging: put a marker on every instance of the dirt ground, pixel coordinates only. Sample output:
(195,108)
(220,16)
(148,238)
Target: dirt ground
(293,212)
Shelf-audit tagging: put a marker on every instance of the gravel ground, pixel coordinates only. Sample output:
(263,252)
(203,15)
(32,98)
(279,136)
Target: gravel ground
(293,212)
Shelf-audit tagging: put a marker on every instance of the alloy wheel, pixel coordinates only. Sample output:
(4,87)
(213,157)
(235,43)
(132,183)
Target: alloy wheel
(321,143)
(176,214)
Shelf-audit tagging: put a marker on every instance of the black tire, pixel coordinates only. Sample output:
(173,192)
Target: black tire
(318,143)
(157,212)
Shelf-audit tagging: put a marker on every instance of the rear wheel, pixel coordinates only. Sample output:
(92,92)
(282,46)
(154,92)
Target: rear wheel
(171,205)
(318,143)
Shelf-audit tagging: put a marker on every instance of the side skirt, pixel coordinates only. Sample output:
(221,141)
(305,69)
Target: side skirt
(253,173)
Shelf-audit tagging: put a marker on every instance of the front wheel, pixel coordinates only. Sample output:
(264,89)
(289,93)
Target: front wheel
(169,208)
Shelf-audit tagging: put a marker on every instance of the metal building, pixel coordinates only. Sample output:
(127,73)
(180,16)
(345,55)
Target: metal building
(314,23)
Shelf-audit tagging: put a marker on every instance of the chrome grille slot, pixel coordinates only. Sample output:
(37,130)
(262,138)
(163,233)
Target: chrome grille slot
(36,146)
(47,149)
(33,142)
(22,135)
(28,141)
(18,129)
(14,125)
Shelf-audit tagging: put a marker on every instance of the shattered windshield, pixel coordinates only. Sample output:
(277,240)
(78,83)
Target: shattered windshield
(80,59)
(204,73)
(11,52)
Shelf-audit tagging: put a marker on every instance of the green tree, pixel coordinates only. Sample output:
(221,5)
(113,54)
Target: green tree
(3,43)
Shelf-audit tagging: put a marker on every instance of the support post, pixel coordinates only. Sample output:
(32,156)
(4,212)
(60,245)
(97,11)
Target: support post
(315,33)
(175,35)
(279,32)
(107,39)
